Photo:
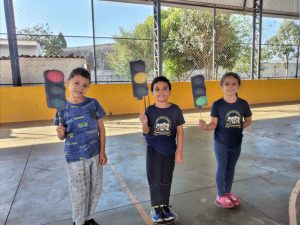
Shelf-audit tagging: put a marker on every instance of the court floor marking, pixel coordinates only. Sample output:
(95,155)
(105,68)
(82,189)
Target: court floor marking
(293,203)
(134,200)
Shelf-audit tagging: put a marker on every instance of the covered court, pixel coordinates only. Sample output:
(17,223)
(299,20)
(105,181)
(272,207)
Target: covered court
(35,190)
(34,186)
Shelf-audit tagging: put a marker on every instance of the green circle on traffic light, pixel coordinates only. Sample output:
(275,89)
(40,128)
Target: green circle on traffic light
(58,103)
(201,101)
(57,90)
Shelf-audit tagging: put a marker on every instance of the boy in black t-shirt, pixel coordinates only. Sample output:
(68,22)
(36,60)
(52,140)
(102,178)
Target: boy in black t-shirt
(162,124)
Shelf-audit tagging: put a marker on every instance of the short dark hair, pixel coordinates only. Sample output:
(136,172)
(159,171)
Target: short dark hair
(158,79)
(81,72)
(231,74)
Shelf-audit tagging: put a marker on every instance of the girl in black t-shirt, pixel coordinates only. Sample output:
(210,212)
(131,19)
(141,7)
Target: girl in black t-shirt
(229,116)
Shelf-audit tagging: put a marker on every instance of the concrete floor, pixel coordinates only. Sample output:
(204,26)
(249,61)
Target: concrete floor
(34,188)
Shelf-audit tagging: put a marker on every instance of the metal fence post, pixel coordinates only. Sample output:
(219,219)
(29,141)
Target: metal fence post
(12,42)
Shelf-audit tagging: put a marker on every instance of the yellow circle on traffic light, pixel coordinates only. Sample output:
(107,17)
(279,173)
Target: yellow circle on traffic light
(140,78)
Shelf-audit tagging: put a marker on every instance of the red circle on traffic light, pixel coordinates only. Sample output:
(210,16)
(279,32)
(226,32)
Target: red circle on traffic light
(55,76)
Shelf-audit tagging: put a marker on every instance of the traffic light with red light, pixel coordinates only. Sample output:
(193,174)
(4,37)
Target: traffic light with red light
(199,91)
(55,89)
(138,79)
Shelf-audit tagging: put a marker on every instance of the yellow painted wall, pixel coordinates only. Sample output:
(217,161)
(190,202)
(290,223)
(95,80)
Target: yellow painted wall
(28,103)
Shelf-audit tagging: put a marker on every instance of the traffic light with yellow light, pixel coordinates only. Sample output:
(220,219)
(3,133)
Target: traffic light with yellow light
(199,91)
(138,79)
(55,89)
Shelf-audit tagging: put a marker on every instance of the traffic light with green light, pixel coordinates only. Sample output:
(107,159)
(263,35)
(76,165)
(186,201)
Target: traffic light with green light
(199,91)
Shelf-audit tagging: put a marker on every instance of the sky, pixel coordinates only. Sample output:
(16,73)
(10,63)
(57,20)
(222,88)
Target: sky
(73,18)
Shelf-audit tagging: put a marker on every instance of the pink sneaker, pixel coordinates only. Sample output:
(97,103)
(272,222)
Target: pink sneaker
(234,199)
(224,201)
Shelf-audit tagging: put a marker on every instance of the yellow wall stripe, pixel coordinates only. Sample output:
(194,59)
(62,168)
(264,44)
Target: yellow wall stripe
(28,103)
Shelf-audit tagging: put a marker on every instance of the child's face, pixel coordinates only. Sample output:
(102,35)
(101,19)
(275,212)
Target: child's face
(161,91)
(78,86)
(230,86)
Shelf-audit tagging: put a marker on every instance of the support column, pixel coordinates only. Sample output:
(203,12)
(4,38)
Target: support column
(94,43)
(297,62)
(12,42)
(157,39)
(214,45)
(256,38)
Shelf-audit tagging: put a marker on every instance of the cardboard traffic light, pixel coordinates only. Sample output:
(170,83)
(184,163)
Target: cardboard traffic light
(199,91)
(55,89)
(138,79)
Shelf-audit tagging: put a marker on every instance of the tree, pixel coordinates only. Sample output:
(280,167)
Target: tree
(55,45)
(194,38)
(50,44)
(175,63)
(244,26)
(131,46)
(138,44)
(187,43)
(228,45)
(283,44)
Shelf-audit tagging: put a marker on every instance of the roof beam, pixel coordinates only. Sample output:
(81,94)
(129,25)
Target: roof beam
(235,8)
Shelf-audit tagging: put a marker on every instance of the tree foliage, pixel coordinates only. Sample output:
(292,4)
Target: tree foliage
(187,43)
(283,44)
(132,46)
(50,44)
(175,63)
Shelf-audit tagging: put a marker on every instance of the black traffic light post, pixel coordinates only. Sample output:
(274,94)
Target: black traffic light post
(55,89)
(139,79)
(199,91)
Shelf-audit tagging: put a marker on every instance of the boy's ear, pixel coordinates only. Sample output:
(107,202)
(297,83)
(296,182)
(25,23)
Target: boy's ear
(67,81)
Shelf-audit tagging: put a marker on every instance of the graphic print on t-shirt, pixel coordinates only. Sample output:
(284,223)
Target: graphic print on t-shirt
(233,119)
(162,126)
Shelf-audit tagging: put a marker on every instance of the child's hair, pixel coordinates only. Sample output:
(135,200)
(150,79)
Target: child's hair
(231,74)
(81,72)
(158,79)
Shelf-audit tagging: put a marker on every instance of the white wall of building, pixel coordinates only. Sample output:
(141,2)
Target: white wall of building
(24,48)
(32,69)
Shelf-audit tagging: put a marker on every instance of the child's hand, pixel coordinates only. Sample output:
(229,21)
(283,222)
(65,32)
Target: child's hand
(202,124)
(178,157)
(143,118)
(61,131)
(102,159)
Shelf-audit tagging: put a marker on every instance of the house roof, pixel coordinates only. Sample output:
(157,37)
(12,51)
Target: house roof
(271,8)
(39,56)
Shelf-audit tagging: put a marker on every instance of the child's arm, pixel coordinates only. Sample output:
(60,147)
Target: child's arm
(179,151)
(247,121)
(102,136)
(144,121)
(210,126)
(61,132)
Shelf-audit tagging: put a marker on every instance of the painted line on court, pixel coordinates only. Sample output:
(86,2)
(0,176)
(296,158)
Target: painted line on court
(293,203)
(134,200)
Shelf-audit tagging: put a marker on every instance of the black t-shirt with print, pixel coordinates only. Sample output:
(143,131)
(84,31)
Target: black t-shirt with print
(229,130)
(163,124)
